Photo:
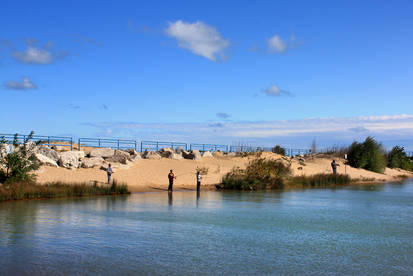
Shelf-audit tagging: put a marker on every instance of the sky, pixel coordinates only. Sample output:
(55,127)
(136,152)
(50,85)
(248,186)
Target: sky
(227,72)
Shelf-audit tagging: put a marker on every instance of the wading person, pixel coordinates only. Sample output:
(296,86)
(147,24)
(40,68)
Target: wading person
(198,181)
(334,166)
(109,172)
(171,177)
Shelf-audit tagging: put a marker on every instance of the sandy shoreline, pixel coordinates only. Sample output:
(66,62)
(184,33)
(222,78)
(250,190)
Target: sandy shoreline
(151,175)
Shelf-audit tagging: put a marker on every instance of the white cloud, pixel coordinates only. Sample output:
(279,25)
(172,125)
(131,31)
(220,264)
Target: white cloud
(33,55)
(200,38)
(25,84)
(390,130)
(275,91)
(276,44)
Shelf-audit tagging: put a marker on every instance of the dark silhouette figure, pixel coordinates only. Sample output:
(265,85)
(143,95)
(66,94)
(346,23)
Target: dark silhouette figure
(198,181)
(334,166)
(171,177)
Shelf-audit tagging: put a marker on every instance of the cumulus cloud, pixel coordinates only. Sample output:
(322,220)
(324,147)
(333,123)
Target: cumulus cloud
(275,91)
(25,84)
(223,115)
(276,44)
(390,130)
(199,38)
(37,55)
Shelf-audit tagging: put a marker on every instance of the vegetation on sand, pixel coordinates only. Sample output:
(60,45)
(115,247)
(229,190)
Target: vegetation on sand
(368,155)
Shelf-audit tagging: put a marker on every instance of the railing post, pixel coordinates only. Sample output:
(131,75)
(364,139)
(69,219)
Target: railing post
(203,147)
(71,143)
(157,145)
(172,145)
(99,143)
(118,144)
(78,145)
(141,146)
(135,146)
(48,141)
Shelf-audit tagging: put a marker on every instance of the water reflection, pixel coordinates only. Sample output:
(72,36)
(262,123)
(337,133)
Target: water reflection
(170,200)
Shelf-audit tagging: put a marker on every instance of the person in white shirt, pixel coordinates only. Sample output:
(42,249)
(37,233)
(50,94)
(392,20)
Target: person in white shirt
(109,172)
(198,181)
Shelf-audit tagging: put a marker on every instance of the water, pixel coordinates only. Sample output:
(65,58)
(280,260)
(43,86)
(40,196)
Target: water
(349,231)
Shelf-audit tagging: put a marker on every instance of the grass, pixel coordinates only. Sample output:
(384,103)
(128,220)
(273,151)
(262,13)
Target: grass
(18,191)
(319,180)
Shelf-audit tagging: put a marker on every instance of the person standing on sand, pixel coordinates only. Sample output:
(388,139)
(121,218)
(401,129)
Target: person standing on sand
(109,172)
(171,177)
(198,181)
(334,166)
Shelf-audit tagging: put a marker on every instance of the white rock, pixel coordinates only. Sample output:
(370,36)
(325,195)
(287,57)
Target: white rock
(43,159)
(207,154)
(151,155)
(91,162)
(46,151)
(70,159)
(102,152)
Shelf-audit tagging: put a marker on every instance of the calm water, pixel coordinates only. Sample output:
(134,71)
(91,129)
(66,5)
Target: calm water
(362,230)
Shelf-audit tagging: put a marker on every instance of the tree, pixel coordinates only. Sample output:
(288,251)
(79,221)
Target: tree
(368,155)
(397,158)
(17,165)
(278,149)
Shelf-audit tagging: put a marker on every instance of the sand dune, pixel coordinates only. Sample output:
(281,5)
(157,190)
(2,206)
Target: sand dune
(151,175)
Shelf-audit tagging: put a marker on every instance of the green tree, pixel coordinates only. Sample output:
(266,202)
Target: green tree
(18,165)
(397,158)
(278,149)
(368,155)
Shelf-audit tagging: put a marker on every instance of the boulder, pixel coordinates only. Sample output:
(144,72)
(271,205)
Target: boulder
(45,160)
(151,155)
(193,155)
(91,162)
(70,159)
(178,150)
(176,156)
(217,154)
(207,154)
(131,151)
(166,152)
(50,153)
(232,154)
(135,157)
(102,152)
(119,157)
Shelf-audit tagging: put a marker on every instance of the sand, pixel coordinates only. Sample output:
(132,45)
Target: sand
(151,175)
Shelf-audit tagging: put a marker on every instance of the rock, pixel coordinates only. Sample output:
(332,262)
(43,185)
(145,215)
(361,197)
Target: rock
(91,162)
(46,151)
(135,157)
(131,151)
(218,154)
(207,154)
(193,155)
(102,152)
(70,159)
(45,160)
(299,168)
(151,155)
(166,152)
(179,150)
(232,154)
(176,156)
(197,155)
(119,157)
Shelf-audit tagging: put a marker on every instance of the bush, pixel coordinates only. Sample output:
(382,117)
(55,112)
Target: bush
(259,174)
(279,150)
(18,165)
(368,155)
(397,158)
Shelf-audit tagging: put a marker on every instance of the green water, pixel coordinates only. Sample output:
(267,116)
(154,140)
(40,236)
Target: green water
(348,231)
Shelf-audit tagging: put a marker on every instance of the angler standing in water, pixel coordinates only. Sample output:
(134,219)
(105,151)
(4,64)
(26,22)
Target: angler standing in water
(171,177)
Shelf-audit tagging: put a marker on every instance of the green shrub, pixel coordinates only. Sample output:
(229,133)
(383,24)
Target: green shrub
(368,155)
(397,158)
(259,174)
(18,165)
(279,150)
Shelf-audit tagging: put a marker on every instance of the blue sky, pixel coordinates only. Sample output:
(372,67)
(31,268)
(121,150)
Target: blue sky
(250,72)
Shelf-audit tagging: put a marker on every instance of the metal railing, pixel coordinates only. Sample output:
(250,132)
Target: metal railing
(208,147)
(107,143)
(156,145)
(62,141)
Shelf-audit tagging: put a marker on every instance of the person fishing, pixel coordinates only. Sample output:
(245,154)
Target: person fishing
(171,178)
(198,181)
(334,166)
(109,172)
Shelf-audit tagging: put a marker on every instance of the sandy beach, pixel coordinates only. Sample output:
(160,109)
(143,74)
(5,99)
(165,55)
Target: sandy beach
(151,175)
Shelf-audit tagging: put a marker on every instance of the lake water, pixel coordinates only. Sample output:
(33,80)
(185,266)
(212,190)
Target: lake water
(352,231)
